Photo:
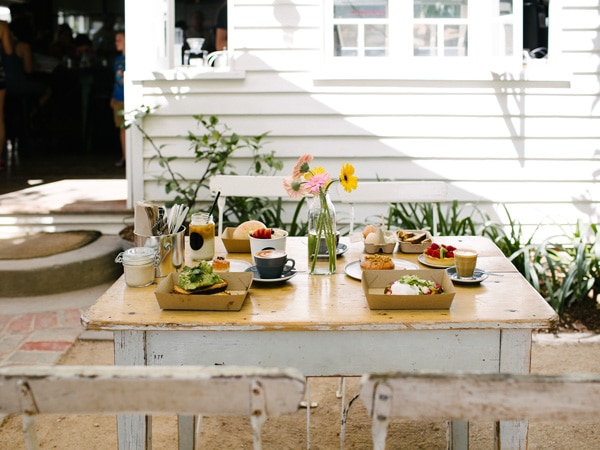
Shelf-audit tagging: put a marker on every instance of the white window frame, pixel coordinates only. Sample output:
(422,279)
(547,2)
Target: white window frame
(400,63)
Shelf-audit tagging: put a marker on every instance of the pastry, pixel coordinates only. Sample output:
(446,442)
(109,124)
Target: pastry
(412,237)
(377,262)
(440,255)
(245,228)
(220,264)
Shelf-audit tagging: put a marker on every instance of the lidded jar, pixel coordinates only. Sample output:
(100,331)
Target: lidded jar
(138,265)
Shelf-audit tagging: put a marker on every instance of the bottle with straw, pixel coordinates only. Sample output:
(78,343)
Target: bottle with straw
(202,234)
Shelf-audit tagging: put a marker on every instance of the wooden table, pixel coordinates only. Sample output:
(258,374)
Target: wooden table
(322,326)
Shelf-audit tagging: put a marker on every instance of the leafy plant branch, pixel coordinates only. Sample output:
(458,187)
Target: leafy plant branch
(213,148)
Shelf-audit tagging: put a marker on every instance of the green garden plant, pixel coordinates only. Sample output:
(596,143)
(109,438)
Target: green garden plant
(213,148)
(565,269)
(453,221)
(510,243)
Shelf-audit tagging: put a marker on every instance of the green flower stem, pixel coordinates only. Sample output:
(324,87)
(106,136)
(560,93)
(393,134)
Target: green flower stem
(324,228)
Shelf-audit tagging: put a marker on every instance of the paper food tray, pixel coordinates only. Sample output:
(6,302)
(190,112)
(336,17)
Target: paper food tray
(239,283)
(374,281)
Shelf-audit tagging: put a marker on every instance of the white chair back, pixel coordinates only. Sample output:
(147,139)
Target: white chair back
(244,186)
(394,192)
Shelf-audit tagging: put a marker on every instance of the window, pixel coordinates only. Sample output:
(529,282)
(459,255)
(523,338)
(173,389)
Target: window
(396,34)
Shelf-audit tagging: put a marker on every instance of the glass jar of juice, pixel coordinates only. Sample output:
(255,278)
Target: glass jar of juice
(202,237)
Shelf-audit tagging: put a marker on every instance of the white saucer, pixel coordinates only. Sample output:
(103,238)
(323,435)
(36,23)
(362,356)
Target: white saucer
(478,276)
(237,265)
(353,269)
(283,277)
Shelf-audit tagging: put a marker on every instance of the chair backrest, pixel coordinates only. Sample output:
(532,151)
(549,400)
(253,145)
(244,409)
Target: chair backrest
(483,397)
(250,391)
(244,186)
(395,192)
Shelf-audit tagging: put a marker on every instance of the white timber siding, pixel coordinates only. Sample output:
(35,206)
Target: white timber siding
(531,144)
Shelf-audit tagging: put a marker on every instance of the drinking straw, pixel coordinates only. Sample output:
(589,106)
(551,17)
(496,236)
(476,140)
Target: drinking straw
(214,203)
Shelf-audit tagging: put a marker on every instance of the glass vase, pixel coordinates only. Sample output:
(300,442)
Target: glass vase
(322,244)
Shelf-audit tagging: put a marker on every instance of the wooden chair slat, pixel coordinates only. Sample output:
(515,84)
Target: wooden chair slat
(482,397)
(188,390)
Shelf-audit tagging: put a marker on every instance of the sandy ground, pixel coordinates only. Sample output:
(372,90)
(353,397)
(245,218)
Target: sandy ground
(99,432)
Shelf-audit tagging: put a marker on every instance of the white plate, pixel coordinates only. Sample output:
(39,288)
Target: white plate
(353,269)
(237,265)
(339,251)
(422,260)
(478,276)
(257,277)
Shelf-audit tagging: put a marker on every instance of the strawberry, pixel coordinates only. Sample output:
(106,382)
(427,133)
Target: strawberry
(262,233)
(440,251)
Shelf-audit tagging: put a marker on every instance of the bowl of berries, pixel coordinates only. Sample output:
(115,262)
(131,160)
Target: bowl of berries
(438,255)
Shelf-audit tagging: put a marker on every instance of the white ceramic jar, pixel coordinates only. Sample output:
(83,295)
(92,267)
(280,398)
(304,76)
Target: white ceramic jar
(138,266)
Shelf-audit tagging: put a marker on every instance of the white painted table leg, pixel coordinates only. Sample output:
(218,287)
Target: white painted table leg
(134,430)
(515,357)
(186,426)
(458,435)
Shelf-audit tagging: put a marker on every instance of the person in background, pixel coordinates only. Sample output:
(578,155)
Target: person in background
(6,50)
(198,29)
(117,101)
(103,39)
(22,82)
(221,29)
(84,51)
(63,47)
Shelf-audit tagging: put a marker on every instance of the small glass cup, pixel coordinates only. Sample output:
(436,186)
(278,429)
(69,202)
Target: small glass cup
(465,261)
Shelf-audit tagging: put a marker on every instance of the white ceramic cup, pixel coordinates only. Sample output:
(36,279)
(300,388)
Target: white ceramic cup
(465,261)
(277,242)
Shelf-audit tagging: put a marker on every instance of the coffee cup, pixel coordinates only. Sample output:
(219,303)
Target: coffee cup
(465,261)
(272,263)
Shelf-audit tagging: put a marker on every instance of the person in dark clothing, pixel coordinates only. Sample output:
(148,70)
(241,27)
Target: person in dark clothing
(117,101)
(7,49)
(221,28)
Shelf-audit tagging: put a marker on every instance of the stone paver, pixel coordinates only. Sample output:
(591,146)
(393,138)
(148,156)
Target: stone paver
(33,332)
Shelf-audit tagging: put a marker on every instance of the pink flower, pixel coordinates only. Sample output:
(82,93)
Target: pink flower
(302,166)
(318,183)
(294,187)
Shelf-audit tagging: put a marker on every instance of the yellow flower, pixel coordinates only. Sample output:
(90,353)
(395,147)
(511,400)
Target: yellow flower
(316,171)
(347,179)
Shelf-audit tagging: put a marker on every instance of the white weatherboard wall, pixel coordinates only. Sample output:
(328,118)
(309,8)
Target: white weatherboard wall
(530,143)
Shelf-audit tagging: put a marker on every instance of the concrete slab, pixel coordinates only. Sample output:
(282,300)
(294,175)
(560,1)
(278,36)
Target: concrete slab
(83,196)
(88,266)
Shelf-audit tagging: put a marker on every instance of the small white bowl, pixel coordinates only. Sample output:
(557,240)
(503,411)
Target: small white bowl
(277,242)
